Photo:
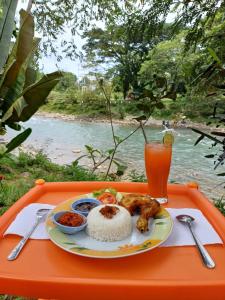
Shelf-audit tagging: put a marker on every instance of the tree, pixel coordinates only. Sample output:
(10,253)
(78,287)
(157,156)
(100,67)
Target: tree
(168,59)
(53,16)
(123,46)
(69,80)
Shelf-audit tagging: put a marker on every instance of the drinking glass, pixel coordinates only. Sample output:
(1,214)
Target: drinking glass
(157,165)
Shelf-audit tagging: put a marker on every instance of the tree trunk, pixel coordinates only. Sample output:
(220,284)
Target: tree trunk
(125,88)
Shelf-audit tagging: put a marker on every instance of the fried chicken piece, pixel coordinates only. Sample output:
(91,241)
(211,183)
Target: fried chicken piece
(132,202)
(147,206)
(147,211)
(142,224)
(150,209)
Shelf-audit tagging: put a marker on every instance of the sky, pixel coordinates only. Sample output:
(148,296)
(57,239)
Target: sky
(50,64)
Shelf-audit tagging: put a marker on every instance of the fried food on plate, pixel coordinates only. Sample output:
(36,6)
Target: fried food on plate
(142,224)
(133,201)
(145,205)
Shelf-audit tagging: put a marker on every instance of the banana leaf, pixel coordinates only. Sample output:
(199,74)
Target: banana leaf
(18,140)
(30,77)
(6,28)
(10,87)
(22,79)
(36,95)
(30,73)
(15,109)
(32,98)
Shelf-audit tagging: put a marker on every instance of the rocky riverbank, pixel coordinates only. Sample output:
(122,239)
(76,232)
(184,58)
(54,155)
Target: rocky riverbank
(128,120)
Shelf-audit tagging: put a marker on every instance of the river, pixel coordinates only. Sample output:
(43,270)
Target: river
(64,141)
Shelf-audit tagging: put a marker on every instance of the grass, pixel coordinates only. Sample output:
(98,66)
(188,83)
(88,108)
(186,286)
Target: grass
(21,172)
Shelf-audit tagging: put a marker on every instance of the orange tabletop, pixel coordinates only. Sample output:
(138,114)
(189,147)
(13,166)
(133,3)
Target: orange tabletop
(44,270)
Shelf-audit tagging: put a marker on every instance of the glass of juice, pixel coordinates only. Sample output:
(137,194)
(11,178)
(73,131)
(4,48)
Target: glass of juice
(157,165)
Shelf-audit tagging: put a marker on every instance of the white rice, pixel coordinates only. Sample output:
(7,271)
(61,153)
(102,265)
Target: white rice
(109,230)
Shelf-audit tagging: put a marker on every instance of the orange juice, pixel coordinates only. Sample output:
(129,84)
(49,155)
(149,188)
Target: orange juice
(157,165)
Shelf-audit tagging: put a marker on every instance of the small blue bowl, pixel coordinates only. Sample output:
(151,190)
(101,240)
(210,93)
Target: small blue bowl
(68,229)
(84,200)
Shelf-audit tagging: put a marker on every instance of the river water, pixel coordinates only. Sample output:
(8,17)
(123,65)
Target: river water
(64,141)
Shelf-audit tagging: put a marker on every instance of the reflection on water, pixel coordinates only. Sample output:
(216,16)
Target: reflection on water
(64,141)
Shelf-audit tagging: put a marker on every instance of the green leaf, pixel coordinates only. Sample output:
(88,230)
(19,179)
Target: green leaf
(18,140)
(118,139)
(20,54)
(76,161)
(121,168)
(112,191)
(15,126)
(171,95)
(30,77)
(210,155)
(34,96)
(149,94)
(89,148)
(3,150)
(110,151)
(6,28)
(118,160)
(17,106)
(159,105)
(97,151)
(199,139)
(214,55)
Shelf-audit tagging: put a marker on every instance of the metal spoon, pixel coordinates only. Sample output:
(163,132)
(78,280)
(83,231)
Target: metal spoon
(207,260)
(40,216)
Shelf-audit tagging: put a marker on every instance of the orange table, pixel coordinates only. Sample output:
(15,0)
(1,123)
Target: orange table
(44,270)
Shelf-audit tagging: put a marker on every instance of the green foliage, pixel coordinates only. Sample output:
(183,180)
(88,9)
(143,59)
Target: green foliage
(75,101)
(7,12)
(9,193)
(54,16)
(125,43)
(68,81)
(168,59)
(19,139)
(20,96)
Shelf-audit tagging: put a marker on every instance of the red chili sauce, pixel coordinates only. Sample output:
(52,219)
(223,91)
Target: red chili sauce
(70,219)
